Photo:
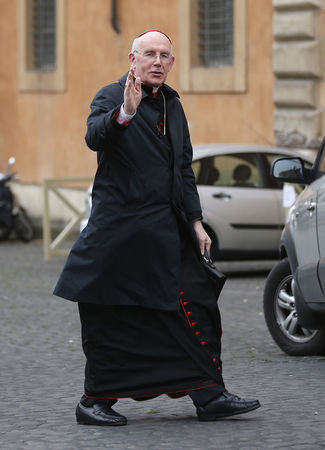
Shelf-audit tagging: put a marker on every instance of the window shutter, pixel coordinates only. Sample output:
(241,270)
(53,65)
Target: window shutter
(44,35)
(216,29)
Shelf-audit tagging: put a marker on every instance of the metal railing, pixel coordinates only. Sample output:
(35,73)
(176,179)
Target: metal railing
(50,247)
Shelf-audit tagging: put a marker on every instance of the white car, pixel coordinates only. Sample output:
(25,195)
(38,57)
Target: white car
(242,204)
(88,205)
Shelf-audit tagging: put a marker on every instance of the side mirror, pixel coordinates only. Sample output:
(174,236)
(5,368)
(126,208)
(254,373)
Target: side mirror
(290,170)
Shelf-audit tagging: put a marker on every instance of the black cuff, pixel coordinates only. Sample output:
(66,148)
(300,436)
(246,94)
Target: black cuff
(195,220)
(194,215)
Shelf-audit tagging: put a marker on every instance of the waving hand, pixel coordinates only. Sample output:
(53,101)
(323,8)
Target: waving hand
(132,93)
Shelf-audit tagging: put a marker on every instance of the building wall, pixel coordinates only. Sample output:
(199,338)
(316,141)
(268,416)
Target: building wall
(298,64)
(240,117)
(45,130)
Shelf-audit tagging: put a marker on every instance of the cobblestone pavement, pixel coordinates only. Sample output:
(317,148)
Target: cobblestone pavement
(42,373)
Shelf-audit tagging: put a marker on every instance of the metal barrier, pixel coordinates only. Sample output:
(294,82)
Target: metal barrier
(50,247)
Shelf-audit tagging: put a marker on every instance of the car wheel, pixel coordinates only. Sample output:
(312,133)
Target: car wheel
(281,315)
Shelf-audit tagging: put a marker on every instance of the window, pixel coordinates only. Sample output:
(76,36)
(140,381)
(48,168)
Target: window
(233,170)
(41,45)
(321,164)
(213,45)
(44,32)
(215,29)
(196,166)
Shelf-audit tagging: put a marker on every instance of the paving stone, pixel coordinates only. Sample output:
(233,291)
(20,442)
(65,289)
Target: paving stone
(42,368)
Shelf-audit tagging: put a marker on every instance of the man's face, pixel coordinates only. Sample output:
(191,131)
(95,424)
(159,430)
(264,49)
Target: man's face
(152,60)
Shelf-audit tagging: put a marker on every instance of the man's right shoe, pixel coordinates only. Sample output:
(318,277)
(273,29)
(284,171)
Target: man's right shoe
(99,414)
(225,405)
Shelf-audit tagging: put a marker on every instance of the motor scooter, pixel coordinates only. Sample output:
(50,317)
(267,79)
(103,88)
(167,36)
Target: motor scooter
(13,216)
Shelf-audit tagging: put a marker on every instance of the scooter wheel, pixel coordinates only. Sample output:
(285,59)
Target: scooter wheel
(23,226)
(4,232)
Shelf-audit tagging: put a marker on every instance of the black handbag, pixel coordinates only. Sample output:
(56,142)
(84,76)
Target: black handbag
(218,278)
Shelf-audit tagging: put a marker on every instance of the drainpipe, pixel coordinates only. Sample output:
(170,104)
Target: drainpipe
(114,16)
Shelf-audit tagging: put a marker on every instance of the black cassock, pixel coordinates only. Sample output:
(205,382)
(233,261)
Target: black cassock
(149,314)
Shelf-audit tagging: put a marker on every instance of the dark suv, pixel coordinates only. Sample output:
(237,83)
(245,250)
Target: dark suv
(294,294)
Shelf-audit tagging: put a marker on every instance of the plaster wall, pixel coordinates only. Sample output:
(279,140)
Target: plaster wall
(45,130)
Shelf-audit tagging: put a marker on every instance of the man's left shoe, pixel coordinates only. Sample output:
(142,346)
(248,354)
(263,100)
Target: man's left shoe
(225,405)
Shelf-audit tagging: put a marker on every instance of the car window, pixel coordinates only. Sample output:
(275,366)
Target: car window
(196,166)
(321,164)
(233,170)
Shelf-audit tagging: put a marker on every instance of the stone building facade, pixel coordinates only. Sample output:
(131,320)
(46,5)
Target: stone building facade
(298,65)
(271,90)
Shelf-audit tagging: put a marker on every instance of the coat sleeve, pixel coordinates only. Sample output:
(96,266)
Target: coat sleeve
(102,128)
(191,200)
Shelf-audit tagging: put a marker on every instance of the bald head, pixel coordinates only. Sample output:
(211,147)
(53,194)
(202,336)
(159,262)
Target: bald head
(147,37)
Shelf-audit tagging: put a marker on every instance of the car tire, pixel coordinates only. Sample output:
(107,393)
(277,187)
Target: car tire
(281,316)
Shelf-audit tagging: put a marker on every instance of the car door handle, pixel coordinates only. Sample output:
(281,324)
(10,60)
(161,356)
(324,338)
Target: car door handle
(221,195)
(311,206)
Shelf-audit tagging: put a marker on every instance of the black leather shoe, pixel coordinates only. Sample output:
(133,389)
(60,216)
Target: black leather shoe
(225,405)
(99,414)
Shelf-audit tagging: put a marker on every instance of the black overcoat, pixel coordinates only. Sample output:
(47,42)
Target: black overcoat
(129,253)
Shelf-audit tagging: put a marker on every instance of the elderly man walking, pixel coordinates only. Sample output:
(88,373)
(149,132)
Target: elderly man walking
(149,315)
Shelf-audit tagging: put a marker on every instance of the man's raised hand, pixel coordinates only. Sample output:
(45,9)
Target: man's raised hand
(132,93)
